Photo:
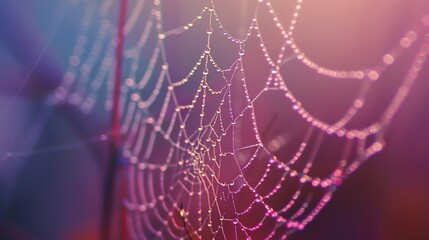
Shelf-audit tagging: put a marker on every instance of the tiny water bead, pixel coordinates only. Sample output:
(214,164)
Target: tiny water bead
(241,52)
(161,36)
(209,30)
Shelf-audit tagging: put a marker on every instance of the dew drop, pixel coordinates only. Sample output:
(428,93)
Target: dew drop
(207,50)
(161,36)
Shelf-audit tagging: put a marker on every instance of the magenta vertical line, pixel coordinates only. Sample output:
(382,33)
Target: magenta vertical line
(116,118)
(114,215)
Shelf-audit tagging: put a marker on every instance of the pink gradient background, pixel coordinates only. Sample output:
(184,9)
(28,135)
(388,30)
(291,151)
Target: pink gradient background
(386,199)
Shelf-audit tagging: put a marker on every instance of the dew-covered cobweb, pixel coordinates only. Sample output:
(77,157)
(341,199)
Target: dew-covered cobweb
(199,162)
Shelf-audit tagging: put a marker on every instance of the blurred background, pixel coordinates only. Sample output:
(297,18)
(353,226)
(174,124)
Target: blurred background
(58,194)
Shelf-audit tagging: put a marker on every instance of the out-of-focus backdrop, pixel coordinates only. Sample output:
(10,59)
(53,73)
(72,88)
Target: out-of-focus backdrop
(58,194)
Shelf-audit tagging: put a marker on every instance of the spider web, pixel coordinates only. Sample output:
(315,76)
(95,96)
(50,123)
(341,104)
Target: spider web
(199,163)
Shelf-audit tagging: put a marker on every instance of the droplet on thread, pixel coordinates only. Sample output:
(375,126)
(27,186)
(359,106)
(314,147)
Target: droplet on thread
(161,36)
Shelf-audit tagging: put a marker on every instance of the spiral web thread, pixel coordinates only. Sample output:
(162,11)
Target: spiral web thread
(191,173)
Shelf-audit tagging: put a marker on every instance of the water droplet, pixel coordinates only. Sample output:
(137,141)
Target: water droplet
(373,75)
(211,7)
(388,59)
(161,36)
(405,42)
(207,50)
